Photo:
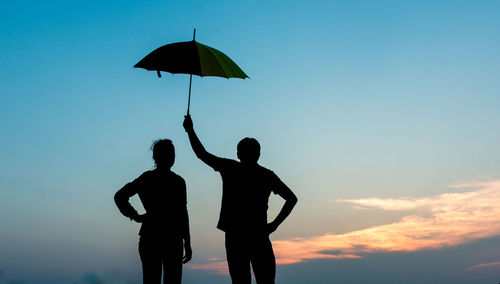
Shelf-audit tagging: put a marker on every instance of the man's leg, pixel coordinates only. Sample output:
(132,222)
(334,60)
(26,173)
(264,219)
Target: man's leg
(238,260)
(151,261)
(263,261)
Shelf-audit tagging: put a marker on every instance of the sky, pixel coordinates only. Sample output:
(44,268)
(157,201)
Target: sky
(379,115)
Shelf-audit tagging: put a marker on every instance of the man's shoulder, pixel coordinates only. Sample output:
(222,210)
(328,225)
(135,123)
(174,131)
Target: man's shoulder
(229,161)
(225,164)
(265,170)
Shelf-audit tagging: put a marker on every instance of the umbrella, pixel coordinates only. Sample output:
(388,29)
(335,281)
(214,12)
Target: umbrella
(193,58)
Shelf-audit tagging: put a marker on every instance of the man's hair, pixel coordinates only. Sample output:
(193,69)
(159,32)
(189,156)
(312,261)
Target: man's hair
(163,152)
(248,150)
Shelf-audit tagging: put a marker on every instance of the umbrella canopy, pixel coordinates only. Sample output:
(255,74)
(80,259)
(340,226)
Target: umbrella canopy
(193,58)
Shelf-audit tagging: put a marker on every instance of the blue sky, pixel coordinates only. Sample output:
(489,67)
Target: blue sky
(369,110)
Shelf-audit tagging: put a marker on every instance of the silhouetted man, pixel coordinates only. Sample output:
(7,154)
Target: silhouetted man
(246,187)
(165,225)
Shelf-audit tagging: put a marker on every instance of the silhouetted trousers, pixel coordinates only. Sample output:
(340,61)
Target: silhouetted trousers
(161,253)
(243,249)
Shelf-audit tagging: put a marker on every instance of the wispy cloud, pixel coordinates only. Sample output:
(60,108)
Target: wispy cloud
(214,264)
(451,219)
(417,203)
(483,265)
(448,219)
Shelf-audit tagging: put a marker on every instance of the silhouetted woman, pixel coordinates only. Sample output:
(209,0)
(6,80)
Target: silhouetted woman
(164,232)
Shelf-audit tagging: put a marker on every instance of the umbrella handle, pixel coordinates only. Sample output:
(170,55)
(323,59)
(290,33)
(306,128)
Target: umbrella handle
(189,97)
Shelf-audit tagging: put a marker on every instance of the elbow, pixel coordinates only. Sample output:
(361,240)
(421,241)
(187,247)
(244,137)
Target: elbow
(118,198)
(293,200)
(201,154)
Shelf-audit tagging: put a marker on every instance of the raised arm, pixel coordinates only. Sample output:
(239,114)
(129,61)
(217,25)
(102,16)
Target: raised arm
(198,148)
(290,201)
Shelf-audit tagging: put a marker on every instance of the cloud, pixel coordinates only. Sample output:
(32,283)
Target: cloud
(398,204)
(215,265)
(450,219)
(444,220)
(483,265)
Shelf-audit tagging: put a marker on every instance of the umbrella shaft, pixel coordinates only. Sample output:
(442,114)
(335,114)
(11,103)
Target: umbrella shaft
(189,97)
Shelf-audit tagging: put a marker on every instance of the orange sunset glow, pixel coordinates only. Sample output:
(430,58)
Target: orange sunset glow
(444,220)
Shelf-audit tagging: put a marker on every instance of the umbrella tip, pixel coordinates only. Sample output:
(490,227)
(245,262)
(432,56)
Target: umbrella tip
(159,74)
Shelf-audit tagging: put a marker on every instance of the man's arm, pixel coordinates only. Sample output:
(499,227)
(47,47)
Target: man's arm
(198,148)
(290,201)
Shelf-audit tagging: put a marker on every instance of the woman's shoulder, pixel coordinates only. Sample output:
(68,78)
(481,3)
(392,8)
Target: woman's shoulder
(176,176)
(147,174)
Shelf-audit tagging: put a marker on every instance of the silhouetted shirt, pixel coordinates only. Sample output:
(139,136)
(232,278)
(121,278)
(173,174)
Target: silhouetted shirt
(245,195)
(163,195)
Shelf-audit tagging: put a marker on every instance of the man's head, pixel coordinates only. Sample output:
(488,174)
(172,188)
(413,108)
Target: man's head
(248,150)
(163,153)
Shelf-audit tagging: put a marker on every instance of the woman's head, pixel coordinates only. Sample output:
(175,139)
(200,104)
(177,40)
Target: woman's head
(163,153)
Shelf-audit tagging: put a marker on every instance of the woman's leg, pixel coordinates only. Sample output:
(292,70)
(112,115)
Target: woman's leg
(172,260)
(151,261)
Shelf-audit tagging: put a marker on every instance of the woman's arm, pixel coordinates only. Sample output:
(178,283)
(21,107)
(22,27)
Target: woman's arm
(122,197)
(185,229)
